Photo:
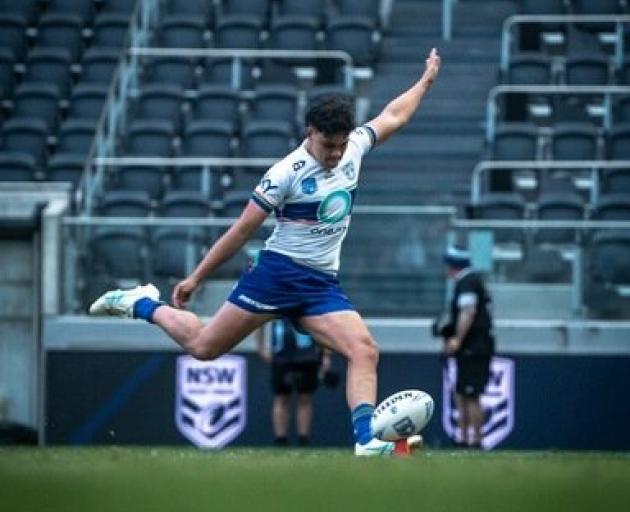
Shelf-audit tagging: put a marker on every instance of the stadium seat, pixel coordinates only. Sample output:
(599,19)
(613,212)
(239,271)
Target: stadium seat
(152,138)
(84,10)
(13,35)
(587,70)
(295,33)
(119,6)
(275,102)
(354,35)
(219,103)
(614,206)
(624,73)
(87,101)
(266,139)
(17,167)
(529,69)
(204,138)
(574,141)
(501,206)
(161,102)
(110,31)
(147,178)
(236,73)
(38,101)
(27,10)
(185,203)
(616,180)
(65,167)
(369,8)
(543,6)
(98,65)
(238,31)
(76,136)
(619,142)
(515,141)
(559,206)
(50,66)
(7,75)
(315,9)
(171,70)
(62,31)
(258,9)
(181,31)
(118,252)
(201,9)
(27,136)
(125,203)
(610,254)
(175,252)
(621,110)
(600,7)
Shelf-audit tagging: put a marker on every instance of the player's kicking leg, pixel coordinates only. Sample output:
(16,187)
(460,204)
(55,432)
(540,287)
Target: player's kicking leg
(346,333)
(226,329)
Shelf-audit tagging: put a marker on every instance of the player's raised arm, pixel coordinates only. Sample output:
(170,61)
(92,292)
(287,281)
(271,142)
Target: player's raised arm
(397,112)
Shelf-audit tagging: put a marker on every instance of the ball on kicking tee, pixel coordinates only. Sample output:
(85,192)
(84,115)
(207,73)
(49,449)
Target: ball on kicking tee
(402,414)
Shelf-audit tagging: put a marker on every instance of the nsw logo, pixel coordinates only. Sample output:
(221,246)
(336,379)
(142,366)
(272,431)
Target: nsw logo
(497,402)
(309,186)
(211,401)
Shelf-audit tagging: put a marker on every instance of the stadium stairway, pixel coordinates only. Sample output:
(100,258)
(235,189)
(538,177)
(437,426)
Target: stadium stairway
(430,161)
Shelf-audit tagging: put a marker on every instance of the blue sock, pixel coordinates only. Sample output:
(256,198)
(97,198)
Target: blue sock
(361,419)
(145,307)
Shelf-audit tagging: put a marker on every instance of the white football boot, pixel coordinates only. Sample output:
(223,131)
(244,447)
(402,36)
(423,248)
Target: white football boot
(374,447)
(120,302)
(401,448)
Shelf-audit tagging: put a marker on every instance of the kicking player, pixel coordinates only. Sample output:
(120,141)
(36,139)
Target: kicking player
(311,192)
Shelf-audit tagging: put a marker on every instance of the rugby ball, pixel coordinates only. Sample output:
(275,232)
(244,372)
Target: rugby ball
(401,415)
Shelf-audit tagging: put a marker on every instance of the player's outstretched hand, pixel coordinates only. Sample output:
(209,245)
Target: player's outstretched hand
(432,66)
(183,291)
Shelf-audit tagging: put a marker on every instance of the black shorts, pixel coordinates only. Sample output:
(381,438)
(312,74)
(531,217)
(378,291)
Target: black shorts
(299,377)
(473,374)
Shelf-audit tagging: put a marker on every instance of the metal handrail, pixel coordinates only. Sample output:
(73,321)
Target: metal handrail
(511,165)
(541,224)
(567,19)
(491,103)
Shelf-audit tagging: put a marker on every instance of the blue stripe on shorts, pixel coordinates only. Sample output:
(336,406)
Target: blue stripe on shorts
(279,286)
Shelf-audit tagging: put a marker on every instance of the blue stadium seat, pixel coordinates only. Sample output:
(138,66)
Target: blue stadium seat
(315,9)
(238,31)
(574,141)
(150,138)
(529,69)
(160,101)
(237,74)
(62,31)
(613,206)
(219,103)
(27,136)
(87,101)
(119,6)
(98,65)
(76,136)
(84,10)
(171,70)
(201,9)
(354,35)
(65,168)
(27,10)
(258,9)
(39,101)
(559,206)
(619,142)
(17,167)
(50,66)
(587,70)
(610,253)
(110,31)
(275,102)
(616,180)
(13,35)
(181,31)
(7,74)
(515,141)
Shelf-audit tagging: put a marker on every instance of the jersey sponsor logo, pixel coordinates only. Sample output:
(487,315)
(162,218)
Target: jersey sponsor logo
(309,186)
(256,303)
(334,207)
(348,170)
(328,231)
(211,401)
(497,402)
(296,166)
(266,185)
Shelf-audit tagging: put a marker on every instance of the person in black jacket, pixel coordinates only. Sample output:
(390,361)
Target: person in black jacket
(469,339)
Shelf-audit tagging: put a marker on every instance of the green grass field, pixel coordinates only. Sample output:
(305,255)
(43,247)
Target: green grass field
(185,479)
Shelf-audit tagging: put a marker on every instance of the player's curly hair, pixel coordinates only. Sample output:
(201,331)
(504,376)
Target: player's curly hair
(331,114)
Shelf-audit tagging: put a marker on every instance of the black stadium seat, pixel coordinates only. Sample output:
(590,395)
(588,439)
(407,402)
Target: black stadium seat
(50,66)
(62,31)
(17,167)
(110,30)
(98,65)
(87,101)
(27,136)
(181,31)
(39,101)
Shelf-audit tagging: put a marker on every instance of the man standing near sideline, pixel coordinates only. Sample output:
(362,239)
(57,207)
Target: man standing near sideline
(296,365)
(311,191)
(470,340)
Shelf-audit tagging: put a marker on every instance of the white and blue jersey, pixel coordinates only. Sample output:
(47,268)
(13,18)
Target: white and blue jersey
(313,204)
(296,273)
